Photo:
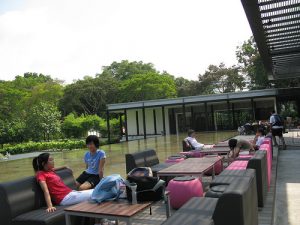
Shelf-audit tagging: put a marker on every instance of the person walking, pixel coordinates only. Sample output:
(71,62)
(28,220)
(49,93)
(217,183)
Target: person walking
(276,123)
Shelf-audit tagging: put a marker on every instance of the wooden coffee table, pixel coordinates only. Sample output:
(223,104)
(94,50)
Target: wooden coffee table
(191,167)
(119,210)
(219,150)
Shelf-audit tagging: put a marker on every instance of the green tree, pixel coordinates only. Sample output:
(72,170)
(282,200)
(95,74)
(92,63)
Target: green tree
(43,121)
(90,95)
(251,64)
(187,87)
(147,86)
(221,79)
(125,69)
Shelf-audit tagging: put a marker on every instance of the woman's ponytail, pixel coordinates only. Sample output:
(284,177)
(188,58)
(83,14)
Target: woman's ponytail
(39,161)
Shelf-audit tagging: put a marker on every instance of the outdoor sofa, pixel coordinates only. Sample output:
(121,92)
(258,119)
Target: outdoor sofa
(22,202)
(146,158)
(257,166)
(236,206)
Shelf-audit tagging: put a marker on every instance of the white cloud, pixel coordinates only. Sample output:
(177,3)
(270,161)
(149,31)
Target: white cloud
(69,39)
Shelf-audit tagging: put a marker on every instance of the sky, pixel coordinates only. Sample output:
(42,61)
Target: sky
(69,39)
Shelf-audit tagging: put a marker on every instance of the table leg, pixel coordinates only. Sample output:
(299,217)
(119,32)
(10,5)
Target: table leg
(213,172)
(168,211)
(129,221)
(68,219)
(117,222)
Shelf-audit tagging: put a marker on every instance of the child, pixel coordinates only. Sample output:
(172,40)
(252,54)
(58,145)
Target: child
(259,138)
(94,160)
(52,185)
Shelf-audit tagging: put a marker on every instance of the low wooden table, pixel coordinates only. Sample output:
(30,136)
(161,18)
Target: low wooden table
(120,210)
(217,150)
(191,167)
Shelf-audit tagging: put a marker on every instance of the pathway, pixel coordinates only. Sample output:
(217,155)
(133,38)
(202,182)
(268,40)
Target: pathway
(287,200)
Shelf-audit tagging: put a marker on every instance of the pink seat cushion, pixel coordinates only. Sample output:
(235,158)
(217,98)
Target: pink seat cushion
(268,148)
(174,160)
(238,165)
(183,191)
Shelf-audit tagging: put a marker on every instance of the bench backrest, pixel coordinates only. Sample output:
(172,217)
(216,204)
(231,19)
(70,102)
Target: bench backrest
(259,163)
(144,158)
(21,196)
(238,204)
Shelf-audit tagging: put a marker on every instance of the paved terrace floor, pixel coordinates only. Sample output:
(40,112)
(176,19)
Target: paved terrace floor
(287,201)
(265,215)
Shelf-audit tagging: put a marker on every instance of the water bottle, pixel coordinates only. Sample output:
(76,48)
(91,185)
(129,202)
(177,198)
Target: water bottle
(133,187)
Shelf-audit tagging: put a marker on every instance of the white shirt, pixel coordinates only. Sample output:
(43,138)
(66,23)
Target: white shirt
(195,143)
(260,140)
(272,121)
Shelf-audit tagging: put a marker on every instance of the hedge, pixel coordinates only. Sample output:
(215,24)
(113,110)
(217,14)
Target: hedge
(49,146)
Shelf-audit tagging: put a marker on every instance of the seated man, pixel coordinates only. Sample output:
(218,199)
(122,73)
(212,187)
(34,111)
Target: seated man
(237,145)
(192,140)
(259,138)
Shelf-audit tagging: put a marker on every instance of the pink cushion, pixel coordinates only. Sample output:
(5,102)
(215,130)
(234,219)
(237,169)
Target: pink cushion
(183,191)
(238,165)
(268,148)
(174,160)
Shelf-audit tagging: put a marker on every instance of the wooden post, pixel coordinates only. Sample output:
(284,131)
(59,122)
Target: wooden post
(126,130)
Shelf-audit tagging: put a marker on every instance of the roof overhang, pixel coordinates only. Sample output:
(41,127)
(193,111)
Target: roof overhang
(276,29)
(194,100)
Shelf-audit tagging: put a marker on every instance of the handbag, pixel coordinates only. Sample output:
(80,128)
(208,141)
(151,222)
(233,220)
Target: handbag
(148,188)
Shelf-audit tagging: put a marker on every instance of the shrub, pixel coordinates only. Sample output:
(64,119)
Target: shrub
(49,146)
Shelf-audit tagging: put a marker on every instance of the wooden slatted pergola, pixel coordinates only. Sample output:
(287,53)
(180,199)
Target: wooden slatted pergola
(276,28)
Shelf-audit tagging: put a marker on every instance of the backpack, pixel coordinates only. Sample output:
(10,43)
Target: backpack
(278,120)
(148,188)
(108,189)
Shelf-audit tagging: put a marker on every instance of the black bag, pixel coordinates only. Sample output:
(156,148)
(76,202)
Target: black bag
(148,188)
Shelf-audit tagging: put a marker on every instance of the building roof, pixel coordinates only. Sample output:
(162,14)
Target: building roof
(276,28)
(194,99)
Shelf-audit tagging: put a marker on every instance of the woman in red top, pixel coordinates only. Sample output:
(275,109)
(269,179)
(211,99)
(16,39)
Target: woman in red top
(52,185)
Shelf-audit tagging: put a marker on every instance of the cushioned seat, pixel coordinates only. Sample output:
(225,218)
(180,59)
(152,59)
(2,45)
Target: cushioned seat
(190,186)
(40,217)
(175,159)
(196,211)
(22,202)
